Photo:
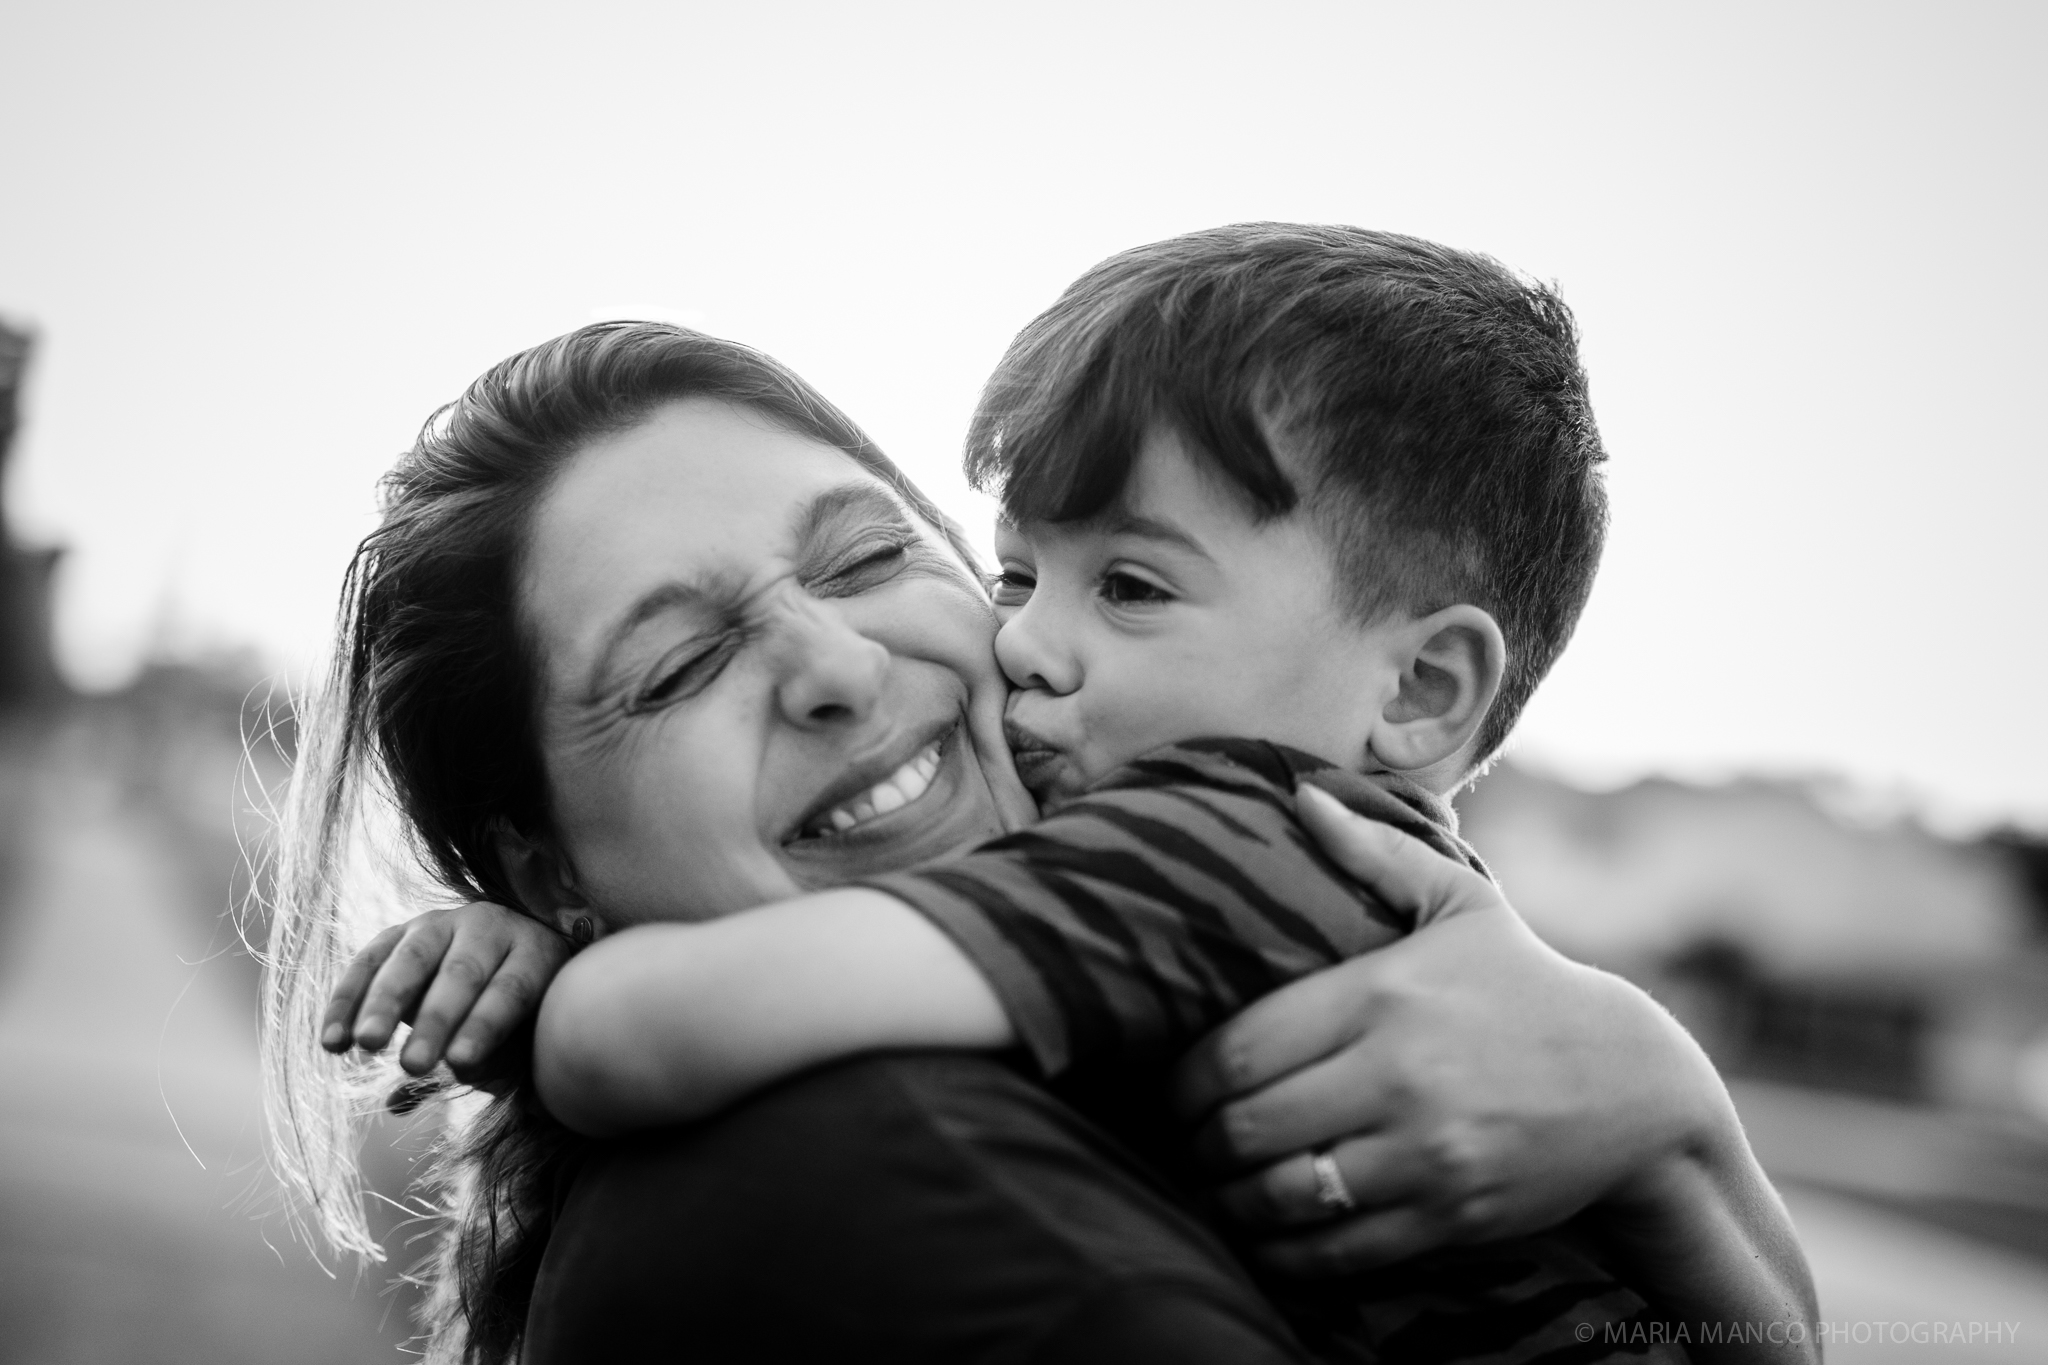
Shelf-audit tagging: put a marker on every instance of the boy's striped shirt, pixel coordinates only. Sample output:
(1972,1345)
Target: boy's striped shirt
(1168,897)
(1134,919)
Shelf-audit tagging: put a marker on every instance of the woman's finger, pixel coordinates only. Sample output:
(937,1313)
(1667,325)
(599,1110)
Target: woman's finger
(336,1025)
(1398,868)
(1273,1037)
(1363,1241)
(1342,1095)
(465,973)
(1378,1172)
(399,983)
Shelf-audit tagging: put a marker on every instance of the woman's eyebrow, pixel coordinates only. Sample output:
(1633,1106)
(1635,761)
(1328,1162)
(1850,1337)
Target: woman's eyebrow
(836,510)
(813,528)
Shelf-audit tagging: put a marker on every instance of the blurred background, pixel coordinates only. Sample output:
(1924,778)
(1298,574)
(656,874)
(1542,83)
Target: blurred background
(1792,774)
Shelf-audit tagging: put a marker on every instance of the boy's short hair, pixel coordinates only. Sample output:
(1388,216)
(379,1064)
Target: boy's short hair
(1431,400)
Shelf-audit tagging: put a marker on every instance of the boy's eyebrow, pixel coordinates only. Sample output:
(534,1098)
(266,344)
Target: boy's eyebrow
(1153,528)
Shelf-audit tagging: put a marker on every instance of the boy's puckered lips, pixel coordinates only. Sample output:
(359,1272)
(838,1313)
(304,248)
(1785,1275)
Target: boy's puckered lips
(1039,763)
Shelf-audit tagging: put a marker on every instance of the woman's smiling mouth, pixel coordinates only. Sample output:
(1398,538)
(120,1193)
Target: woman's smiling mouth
(929,802)
(893,792)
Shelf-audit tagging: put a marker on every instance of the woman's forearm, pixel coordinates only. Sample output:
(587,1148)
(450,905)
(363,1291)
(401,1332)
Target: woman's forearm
(666,1023)
(1710,1243)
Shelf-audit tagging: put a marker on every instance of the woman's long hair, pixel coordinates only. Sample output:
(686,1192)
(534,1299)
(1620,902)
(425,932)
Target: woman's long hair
(421,750)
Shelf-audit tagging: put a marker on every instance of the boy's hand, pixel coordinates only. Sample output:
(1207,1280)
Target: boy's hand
(465,977)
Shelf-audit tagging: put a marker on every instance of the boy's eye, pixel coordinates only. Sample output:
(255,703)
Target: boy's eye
(1011,587)
(1128,589)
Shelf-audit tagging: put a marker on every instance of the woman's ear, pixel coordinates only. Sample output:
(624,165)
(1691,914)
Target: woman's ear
(1450,674)
(545,883)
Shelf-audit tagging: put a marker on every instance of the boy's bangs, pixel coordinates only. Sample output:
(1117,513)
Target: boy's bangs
(1050,455)
(1057,442)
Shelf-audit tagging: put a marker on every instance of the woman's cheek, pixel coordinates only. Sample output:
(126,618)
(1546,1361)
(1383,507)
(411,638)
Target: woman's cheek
(688,860)
(662,829)
(956,626)
(962,638)
(959,633)
(714,856)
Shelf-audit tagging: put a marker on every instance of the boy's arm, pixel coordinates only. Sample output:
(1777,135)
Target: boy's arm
(1122,926)
(1128,923)
(664,1023)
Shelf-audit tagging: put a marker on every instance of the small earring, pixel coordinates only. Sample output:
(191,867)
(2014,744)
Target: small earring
(582,931)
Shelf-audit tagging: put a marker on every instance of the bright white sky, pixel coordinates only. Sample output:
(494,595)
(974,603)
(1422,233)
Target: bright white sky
(262,242)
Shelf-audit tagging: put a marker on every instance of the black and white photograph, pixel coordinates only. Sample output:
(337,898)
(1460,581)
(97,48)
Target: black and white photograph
(1073,684)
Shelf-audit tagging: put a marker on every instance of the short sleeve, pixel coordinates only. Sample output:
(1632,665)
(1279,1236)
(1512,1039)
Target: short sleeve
(1143,914)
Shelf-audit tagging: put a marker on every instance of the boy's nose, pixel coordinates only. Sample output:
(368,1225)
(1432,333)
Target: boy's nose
(1028,658)
(831,674)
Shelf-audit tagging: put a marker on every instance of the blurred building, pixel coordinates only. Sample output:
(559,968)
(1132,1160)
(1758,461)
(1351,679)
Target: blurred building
(1800,940)
(132,1185)
(27,670)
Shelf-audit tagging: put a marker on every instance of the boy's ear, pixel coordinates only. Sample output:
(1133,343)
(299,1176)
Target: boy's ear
(1450,675)
(543,880)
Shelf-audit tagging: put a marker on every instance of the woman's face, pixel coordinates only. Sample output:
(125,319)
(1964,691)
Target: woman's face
(760,672)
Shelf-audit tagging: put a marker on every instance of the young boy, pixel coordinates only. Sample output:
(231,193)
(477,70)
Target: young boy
(1331,490)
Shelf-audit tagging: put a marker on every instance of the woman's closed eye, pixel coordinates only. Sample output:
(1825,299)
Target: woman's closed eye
(687,670)
(857,569)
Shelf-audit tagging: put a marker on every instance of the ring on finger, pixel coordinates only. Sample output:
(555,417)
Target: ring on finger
(1331,1191)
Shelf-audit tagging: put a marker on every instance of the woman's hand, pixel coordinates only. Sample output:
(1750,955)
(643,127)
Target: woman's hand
(465,977)
(1471,1084)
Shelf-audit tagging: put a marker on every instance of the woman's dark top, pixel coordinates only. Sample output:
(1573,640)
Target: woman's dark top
(902,1209)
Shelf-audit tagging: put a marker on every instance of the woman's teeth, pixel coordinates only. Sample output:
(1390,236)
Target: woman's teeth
(893,792)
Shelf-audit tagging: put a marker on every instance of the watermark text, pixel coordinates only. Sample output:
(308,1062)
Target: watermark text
(1793,1332)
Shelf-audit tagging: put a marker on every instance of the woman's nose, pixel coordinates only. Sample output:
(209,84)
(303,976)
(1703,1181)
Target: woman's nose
(831,673)
(1028,654)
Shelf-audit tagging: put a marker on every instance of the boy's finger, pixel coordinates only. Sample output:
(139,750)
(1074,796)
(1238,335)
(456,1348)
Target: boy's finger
(399,982)
(509,1001)
(536,957)
(1398,868)
(465,972)
(336,1032)
(507,1005)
